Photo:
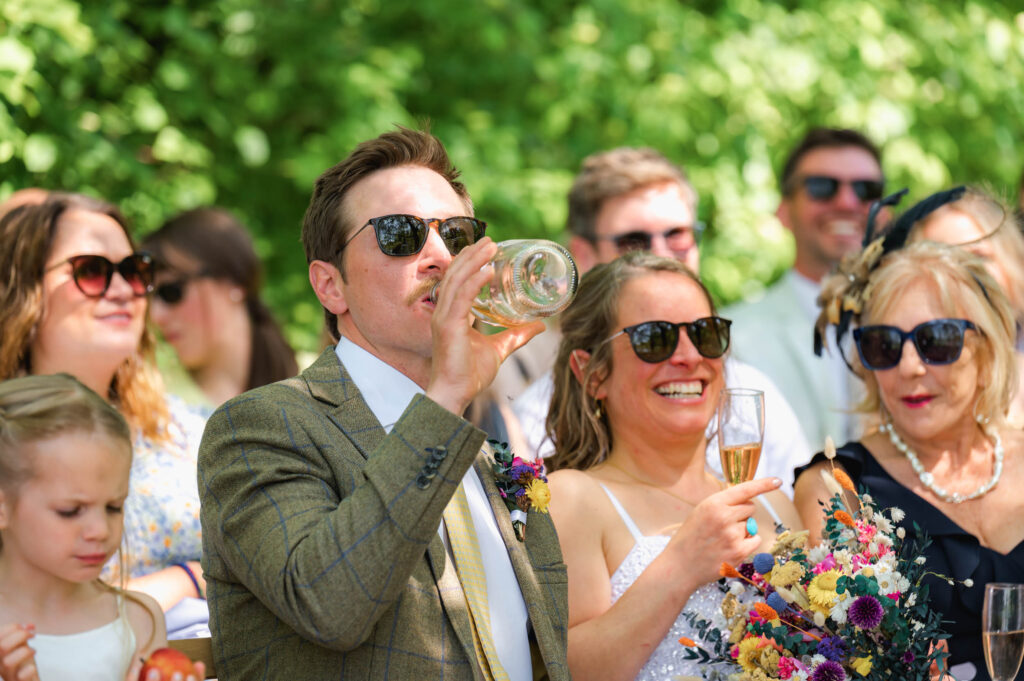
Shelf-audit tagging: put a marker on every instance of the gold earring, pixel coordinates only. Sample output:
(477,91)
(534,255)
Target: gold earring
(597,410)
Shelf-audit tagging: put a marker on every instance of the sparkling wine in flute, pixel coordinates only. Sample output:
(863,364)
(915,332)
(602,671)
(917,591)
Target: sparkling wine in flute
(740,461)
(740,433)
(1003,653)
(1002,620)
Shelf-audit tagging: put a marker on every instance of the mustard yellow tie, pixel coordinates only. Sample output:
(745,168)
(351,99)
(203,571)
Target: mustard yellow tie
(466,549)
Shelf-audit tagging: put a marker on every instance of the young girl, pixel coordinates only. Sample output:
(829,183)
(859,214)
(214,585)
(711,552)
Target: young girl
(65,456)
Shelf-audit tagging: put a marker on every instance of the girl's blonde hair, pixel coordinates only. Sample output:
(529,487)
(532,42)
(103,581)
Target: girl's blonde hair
(36,408)
(964,288)
(583,438)
(26,237)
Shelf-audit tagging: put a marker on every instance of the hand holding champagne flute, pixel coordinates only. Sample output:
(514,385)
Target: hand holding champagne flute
(740,434)
(1003,630)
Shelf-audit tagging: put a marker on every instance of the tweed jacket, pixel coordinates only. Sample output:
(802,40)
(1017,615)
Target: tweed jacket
(320,542)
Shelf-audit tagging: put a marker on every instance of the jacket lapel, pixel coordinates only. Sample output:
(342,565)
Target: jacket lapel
(329,383)
(543,627)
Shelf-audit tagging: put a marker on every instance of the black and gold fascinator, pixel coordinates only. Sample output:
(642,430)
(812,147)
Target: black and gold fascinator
(843,294)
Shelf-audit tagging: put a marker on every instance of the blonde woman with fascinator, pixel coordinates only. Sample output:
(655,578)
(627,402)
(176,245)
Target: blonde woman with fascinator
(935,338)
(644,527)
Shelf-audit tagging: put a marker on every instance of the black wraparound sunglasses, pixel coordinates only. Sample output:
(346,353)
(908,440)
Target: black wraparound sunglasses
(655,341)
(401,235)
(939,341)
(92,273)
(823,187)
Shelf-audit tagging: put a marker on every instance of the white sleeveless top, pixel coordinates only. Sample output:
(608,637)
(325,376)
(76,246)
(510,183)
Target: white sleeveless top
(100,654)
(666,662)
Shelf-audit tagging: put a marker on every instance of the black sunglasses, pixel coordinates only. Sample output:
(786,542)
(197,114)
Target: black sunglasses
(823,187)
(172,292)
(401,235)
(655,342)
(92,273)
(678,239)
(939,341)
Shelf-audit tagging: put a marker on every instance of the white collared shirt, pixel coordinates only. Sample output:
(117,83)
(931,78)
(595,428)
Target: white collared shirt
(387,393)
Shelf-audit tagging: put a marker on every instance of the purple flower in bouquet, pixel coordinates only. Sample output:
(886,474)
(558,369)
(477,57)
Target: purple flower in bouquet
(828,671)
(908,657)
(833,648)
(865,612)
(521,472)
(746,569)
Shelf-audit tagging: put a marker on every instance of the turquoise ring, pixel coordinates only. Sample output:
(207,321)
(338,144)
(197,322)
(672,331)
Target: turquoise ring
(751,526)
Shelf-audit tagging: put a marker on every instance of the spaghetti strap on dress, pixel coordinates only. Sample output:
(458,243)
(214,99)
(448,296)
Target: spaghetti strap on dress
(667,660)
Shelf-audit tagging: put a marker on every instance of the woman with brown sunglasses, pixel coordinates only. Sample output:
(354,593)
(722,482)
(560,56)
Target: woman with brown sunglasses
(207,305)
(73,300)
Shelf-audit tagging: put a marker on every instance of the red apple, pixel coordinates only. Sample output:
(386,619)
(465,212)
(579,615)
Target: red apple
(168,661)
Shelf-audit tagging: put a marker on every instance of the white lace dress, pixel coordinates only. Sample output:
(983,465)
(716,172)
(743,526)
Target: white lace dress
(666,662)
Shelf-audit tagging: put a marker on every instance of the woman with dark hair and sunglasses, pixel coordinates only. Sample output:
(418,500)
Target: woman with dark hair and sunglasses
(73,300)
(644,526)
(207,305)
(935,344)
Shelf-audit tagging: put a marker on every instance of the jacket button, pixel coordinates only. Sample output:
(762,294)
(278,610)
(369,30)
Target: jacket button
(422,481)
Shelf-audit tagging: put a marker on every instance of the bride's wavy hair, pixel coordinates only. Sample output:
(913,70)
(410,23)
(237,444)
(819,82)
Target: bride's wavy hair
(582,437)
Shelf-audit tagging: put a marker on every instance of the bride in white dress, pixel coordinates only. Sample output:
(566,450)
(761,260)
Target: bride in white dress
(643,526)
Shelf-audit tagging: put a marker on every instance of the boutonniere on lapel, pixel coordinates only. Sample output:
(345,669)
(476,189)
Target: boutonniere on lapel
(522,485)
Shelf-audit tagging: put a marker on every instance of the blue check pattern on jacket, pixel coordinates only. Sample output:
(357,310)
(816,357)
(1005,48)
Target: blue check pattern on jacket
(320,542)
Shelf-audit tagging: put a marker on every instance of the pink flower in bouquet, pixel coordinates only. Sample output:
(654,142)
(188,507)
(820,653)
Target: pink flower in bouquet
(786,667)
(865,531)
(824,566)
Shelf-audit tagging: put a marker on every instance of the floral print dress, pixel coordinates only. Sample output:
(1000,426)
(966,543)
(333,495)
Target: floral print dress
(161,519)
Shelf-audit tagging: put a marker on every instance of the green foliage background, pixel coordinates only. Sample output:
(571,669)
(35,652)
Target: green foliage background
(165,106)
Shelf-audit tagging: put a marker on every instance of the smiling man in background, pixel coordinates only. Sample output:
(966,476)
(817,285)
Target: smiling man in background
(828,183)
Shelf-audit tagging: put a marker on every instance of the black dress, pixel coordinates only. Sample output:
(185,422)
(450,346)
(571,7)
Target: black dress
(953,552)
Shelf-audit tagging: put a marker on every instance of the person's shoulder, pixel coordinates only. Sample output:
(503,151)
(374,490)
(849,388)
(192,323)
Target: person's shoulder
(266,396)
(573,486)
(764,305)
(748,375)
(146,619)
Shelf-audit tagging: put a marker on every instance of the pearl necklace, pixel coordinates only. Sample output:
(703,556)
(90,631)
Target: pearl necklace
(928,480)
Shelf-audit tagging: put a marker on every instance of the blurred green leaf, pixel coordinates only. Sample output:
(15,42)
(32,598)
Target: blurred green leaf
(165,106)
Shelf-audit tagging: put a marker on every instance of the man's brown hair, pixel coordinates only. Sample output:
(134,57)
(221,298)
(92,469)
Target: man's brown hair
(609,174)
(326,226)
(817,138)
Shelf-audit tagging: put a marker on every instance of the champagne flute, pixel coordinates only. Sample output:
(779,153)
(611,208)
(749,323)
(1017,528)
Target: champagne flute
(1002,621)
(740,433)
